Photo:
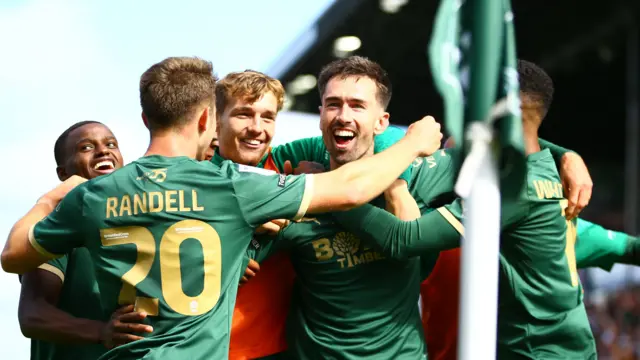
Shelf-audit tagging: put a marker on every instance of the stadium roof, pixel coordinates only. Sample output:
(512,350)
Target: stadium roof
(582,44)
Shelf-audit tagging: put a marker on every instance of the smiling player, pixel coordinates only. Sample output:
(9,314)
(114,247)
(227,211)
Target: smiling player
(59,304)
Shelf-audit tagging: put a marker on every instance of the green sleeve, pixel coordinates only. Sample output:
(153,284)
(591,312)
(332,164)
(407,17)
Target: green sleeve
(263,246)
(61,232)
(307,149)
(599,247)
(556,151)
(56,266)
(389,137)
(263,195)
(400,239)
(59,263)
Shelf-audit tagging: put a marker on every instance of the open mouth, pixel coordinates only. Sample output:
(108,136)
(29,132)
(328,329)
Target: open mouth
(343,137)
(252,143)
(105,166)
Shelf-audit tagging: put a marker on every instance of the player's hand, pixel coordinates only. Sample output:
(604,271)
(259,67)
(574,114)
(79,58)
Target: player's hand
(426,134)
(273,227)
(124,323)
(576,182)
(54,196)
(252,269)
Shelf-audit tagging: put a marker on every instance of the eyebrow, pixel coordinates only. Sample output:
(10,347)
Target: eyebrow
(242,108)
(86,139)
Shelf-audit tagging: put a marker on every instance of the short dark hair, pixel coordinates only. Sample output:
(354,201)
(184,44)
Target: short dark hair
(59,149)
(357,66)
(171,89)
(536,84)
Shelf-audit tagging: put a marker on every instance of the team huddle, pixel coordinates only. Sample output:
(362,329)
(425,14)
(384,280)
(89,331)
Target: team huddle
(215,245)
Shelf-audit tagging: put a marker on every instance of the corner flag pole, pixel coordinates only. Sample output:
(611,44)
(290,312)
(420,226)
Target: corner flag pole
(478,185)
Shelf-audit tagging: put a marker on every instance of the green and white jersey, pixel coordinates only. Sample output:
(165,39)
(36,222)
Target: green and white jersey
(169,235)
(349,301)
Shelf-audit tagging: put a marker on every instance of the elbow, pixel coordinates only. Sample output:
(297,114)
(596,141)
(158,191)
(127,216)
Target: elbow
(8,265)
(29,321)
(27,328)
(11,263)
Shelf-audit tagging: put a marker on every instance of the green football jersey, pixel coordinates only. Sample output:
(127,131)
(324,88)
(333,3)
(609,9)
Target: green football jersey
(79,297)
(313,149)
(169,235)
(541,314)
(349,301)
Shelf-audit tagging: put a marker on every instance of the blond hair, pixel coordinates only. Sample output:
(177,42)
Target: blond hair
(249,86)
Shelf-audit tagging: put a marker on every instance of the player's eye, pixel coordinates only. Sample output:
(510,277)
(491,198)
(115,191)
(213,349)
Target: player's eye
(86,147)
(112,145)
(333,105)
(243,115)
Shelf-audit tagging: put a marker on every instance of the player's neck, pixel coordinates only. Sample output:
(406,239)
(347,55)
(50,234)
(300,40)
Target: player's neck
(172,144)
(334,164)
(531,140)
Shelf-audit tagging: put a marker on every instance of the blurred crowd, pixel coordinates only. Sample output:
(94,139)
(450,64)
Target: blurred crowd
(615,320)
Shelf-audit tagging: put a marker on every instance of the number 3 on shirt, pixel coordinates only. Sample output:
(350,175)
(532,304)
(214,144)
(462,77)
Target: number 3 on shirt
(570,250)
(170,274)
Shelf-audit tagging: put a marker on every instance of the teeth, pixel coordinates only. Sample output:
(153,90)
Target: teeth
(344,133)
(104,163)
(253,141)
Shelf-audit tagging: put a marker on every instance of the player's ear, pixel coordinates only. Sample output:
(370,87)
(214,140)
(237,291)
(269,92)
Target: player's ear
(144,120)
(204,121)
(381,124)
(62,173)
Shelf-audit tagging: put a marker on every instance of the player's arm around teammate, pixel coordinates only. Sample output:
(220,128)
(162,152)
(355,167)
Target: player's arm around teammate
(40,318)
(47,309)
(349,186)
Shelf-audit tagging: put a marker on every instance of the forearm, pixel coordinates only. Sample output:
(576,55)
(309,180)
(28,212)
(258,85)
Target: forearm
(46,322)
(358,182)
(400,239)
(399,201)
(17,244)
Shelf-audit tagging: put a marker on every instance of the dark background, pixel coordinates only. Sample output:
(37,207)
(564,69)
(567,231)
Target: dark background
(581,44)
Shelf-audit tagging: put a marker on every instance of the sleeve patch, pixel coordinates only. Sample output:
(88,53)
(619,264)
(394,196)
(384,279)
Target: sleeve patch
(256,170)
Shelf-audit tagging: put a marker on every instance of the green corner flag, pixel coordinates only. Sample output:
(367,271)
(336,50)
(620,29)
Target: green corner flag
(474,65)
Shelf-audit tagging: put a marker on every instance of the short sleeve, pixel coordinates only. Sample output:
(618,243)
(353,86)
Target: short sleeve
(64,229)
(57,267)
(385,140)
(263,196)
(556,151)
(307,149)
